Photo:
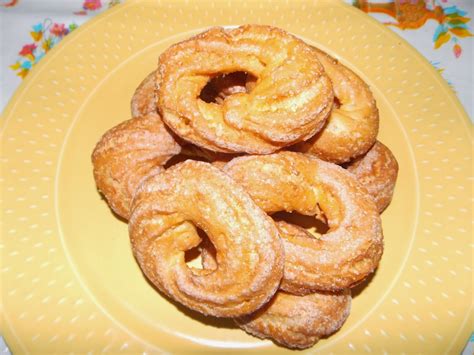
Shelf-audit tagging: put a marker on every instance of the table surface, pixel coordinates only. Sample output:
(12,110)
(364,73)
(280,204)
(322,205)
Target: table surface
(441,30)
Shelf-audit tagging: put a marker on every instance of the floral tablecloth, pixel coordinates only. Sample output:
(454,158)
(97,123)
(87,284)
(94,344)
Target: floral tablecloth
(440,29)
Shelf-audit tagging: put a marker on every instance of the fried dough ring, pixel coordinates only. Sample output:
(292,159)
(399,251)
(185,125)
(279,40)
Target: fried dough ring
(127,154)
(377,171)
(134,149)
(167,207)
(289,181)
(144,101)
(299,321)
(144,98)
(289,102)
(353,124)
(290,320)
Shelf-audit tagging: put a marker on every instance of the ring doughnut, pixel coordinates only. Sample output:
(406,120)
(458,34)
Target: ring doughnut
(377,171)
(289,181)
(127,154)
(290,320)
(299,321)
(134,149)
(352,126)
(144,97)
(144,102)
(288,103)
(166,210)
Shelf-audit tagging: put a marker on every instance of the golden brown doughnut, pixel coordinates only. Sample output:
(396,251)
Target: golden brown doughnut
(144,97)
(290,320)
(377,171)
(288,103)
(144,102)
(166,210)
(299,321)
(127,154)
(289,181)
(139,147)
(352,126)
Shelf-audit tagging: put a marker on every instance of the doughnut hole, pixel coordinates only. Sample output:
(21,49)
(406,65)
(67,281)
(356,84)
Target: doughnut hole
(315,226)
(224,85)
(195,261)
(192,257)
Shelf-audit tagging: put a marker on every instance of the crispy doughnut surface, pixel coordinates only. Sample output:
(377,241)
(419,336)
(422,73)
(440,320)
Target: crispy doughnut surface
(289,101)
(299,321)
(144,101)
(353,124)
(290,320)
(377,170)
(136,148)
(288,181)
(167,209)
(128,153)
(144,98)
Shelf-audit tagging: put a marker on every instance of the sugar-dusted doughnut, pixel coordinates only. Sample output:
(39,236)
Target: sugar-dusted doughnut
(288,181)
(288,102)
(353,124)
(167,209)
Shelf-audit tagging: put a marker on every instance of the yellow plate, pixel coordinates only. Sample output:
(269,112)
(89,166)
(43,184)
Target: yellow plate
(69,280)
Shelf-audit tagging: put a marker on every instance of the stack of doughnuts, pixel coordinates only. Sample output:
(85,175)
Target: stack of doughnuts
(234,126)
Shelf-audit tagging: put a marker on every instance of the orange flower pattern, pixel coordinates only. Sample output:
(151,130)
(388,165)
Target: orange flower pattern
(413,14)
